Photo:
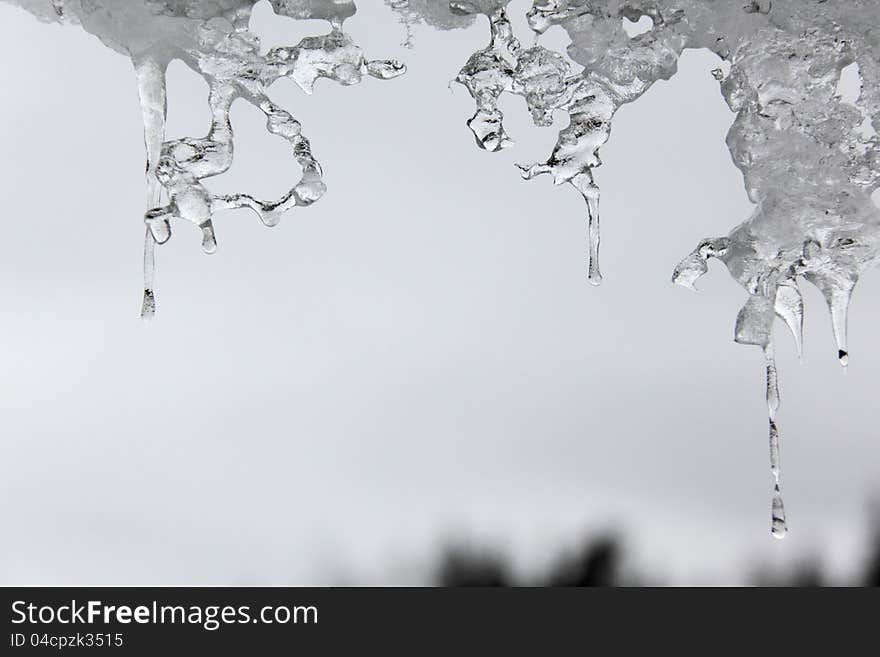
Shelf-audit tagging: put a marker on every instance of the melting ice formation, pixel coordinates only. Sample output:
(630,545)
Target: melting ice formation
(212,38)
(810,159)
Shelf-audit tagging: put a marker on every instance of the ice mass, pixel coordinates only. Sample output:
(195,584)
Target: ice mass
(809,157)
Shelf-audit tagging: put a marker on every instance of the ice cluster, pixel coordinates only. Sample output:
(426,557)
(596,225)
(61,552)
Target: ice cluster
(212,38)
(810,159)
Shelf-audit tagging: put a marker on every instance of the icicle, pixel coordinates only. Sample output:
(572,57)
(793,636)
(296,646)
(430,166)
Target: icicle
(594,276)
(777,509)
(772,381)
(584,184)
(789,306)
(837,289)
(779,527)
(774,449)
(209,241)
(151,90)
(838,303)
(148,305)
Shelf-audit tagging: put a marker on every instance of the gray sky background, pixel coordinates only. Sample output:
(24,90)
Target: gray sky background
(416,358)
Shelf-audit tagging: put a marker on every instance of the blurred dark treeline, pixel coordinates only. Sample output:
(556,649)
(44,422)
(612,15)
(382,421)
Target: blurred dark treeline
(599,561)
(595,563)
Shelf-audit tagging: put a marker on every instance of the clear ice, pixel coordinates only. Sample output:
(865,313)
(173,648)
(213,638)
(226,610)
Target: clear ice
(810,157)
(212,38)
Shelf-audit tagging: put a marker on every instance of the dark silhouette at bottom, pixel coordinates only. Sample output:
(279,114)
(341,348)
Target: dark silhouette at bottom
(597,562)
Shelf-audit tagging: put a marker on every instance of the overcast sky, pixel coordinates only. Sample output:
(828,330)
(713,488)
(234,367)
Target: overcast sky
(416,358)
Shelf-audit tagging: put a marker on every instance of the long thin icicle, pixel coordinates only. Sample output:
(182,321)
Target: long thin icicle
(151,89)
(778,525)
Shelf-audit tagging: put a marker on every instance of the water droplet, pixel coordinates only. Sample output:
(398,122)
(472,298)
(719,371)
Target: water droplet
(160,229)
(209,241)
